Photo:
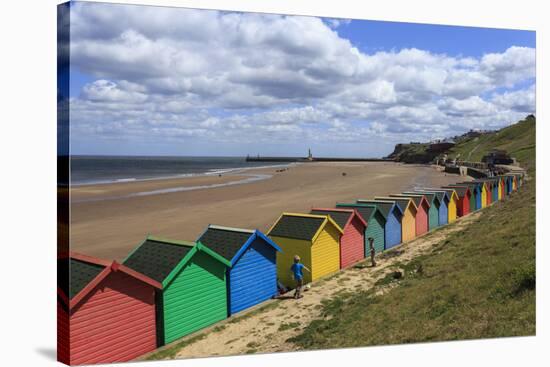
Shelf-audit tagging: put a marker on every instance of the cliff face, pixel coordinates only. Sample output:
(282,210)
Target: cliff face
(412,153)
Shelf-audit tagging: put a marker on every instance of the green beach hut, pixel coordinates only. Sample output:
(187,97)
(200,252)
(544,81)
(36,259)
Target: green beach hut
(376,222)
(193,278)
(433,212)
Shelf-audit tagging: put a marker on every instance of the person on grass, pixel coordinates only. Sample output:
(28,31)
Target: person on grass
(297,272)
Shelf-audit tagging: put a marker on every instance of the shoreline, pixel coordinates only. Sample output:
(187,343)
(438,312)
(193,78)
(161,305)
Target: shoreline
(209,173)
(248,178)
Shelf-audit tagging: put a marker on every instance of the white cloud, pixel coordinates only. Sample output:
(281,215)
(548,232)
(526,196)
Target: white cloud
(523,100)
(172,73)
(511,66)
(107,91)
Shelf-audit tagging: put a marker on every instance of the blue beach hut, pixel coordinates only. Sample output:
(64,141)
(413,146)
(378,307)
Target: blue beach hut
(475,188)
(394,215)
(443,199)
(252,276)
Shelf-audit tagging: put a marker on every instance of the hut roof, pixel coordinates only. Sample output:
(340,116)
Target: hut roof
(441,195)
(461,190)
(430,196)
(365,210)
(385,207)
(229,242)
(301,226)
(402,202)
(157,257)
(416,198)
(340,217)
(80,274)
(224,240)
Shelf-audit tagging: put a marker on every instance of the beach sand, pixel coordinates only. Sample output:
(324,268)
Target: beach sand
(110,228)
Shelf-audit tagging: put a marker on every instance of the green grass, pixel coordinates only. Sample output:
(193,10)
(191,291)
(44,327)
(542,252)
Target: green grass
(287,326)
(518,140)
(479,283)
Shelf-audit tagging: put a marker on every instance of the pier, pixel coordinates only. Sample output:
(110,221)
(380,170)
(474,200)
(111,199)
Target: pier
(311,158)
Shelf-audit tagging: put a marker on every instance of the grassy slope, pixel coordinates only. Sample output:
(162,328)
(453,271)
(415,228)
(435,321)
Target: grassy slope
(518,140)
(479,283)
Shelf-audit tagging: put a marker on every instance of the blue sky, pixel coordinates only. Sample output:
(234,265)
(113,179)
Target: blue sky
(170,81)
(372,36)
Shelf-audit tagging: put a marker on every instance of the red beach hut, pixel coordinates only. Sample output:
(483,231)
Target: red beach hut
(464,195)
(423,208)
(105,313)
(352,242)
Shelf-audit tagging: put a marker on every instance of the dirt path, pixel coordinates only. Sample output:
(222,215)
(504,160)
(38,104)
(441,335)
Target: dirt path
(266,330)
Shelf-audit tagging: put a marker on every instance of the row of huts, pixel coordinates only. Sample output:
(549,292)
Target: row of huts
(167,289)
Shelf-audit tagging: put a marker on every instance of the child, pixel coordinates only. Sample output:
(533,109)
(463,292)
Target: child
(298,275)
(372,251)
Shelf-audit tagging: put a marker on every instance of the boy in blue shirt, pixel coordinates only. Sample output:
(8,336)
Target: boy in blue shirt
(297,272)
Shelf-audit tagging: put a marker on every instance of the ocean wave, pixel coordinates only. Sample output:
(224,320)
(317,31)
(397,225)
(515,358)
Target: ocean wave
(210,172)
(249,179)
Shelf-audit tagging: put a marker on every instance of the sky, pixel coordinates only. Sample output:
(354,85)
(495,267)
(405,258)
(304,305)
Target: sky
(172,81)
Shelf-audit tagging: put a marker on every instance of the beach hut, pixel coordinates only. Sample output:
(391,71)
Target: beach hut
(464,199)
(493,187)
(482,187)
(509,184)
(496,189)
(490,191)
(106,311)
(393,216)
(485,193)
(194,289)
(422,210)
(514,183)
(408,220)
(472,196)
(476,190)
(433,213)
(252,275)
(443,204)
(520,177)
(501,187)
(315,238)
(451,205)
(517,180)
(352,241)
(376,224)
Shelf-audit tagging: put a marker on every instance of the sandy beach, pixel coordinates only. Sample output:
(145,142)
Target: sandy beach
(109,220)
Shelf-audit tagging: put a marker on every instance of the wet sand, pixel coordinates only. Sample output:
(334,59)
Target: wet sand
(110,228)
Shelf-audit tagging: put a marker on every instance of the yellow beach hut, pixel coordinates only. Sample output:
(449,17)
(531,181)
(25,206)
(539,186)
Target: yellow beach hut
(453,204)
(484,193)
(408,221)
(315,238)
(452,207)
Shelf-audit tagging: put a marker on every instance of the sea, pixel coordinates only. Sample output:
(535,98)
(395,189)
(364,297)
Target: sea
(86,170)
